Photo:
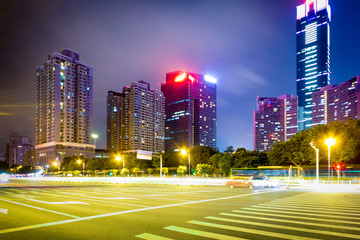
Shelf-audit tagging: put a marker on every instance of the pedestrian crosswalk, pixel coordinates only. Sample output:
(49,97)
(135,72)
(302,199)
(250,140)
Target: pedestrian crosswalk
(300,217)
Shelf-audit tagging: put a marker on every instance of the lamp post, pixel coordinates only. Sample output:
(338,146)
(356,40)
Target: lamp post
(118,158)
(313,145)
(329,142)
(83,162)
(161,165)
(183,152)
(58,165)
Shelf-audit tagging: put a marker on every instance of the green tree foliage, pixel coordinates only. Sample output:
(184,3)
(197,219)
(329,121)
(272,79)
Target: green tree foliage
(125,172)
(297,149)
(150,171)
(225,164)
(171,159)
(135,171)
(203,169)
(182,170)
(165,170)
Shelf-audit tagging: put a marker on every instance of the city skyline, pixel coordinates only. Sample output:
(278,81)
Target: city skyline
(202,36)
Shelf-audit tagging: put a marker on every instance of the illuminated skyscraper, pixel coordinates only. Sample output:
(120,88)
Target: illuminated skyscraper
(337,102)
(63,108)
(136,119)
(275,120)
(190,107)
(313,55)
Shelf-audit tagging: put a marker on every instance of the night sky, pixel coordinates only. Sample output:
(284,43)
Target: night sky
(248,45)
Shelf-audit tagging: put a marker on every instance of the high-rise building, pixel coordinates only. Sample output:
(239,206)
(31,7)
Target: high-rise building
(312,55)
(63,108)
(288,116)
(16,148)
(275,120)
(190,107)
(337,102)
(136,119)
(113,113)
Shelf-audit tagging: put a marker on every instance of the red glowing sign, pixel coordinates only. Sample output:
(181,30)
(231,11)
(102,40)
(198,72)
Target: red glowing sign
(180,77)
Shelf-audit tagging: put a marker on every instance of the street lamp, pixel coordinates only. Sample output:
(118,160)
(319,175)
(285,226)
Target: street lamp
(83,162)
(329,142)
(58,165)
(118,158)
(313,145)
(183,152)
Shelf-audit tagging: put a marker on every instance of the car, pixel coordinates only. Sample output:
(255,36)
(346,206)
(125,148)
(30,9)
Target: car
(4,177)
(262,182)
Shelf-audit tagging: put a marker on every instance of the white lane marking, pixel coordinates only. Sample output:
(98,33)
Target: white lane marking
(292,221)
(4,211)
(148,236)
(317,218)
(322,204)
(96,200)
(109,198)
(251,231)
(153,196)
(202,233)
(122,212)
(299,212)
(313,209)
(58,203)
(314,206)
(42,209)
(337,234)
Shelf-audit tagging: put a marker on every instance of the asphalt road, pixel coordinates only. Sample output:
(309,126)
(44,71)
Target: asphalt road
(35,210)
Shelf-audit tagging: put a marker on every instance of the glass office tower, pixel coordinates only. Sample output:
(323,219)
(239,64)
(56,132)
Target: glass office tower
(190,108)
(313,55)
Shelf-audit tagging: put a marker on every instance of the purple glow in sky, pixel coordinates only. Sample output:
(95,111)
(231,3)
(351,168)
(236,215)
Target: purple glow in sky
(247,45)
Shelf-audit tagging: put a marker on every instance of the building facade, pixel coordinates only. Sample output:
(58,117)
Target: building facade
(136,119)
(113,121)
(337,102)
(16,149)
(275,120)
(312,55)
(190,107)
(63,108)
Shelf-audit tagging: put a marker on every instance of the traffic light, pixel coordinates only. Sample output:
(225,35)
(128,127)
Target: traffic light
(338,166)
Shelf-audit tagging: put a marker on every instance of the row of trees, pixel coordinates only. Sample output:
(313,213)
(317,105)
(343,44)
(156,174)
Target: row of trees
(298,150)
(205,160)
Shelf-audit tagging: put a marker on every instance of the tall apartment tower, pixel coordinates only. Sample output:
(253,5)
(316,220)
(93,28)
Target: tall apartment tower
(63,108)
(337,102)
(312,55)
(190,107)
(136,119)
(113,120)
(275,120)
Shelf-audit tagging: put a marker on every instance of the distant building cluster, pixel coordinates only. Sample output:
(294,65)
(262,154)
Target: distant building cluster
(181,115)
(317,102)
(19,150)
(139,119)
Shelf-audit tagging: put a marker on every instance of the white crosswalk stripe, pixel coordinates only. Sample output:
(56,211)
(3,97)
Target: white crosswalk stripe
(296,206)
(295,218)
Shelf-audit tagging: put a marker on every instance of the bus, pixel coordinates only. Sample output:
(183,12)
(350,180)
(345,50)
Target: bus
(276,172)
(283,172)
